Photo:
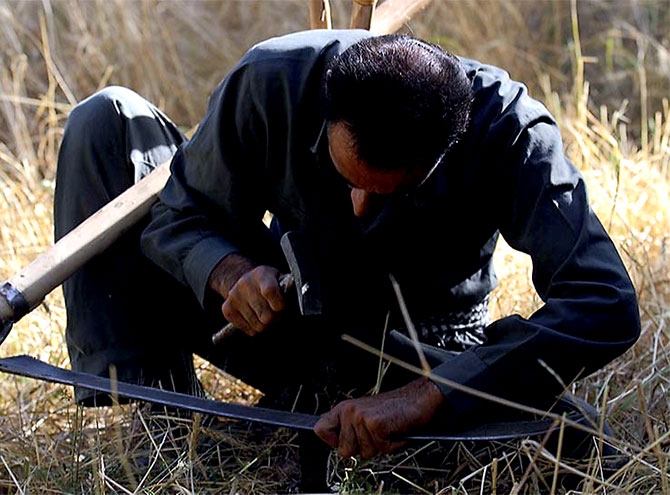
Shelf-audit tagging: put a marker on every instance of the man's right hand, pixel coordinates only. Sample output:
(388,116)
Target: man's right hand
(253,299)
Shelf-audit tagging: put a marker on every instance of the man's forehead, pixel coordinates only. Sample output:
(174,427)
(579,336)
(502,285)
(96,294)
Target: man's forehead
(356,171)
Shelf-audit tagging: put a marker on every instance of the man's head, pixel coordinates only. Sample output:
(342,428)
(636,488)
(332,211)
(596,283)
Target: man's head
(394,105)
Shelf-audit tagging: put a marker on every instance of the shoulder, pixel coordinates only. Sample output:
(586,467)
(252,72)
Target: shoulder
(510,131)
(500,99)
(291,63)
(304,45)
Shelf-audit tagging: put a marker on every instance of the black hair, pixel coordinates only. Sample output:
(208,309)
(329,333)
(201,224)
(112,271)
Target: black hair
(405,101)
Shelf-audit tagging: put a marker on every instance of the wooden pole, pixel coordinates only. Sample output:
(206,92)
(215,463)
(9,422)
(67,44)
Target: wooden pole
(391,15)
(319,14)
(89,238)
(361,13)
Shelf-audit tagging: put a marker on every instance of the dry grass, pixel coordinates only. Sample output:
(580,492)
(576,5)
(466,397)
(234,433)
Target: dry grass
(607,89)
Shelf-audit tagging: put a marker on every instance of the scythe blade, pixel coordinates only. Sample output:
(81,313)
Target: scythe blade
(34,368)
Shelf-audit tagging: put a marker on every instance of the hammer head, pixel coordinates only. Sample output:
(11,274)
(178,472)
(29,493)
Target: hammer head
(303,268)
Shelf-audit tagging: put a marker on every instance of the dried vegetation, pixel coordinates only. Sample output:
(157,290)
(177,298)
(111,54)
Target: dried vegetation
(603,68)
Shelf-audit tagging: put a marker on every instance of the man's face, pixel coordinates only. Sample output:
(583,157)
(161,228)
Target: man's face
(364,181)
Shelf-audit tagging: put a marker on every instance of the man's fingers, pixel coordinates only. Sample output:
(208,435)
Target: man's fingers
(366,444)
(337,432)
(348,446)
(374,438)
(273,295)
(255,301)
(242,316)
(351,431)
(327,429)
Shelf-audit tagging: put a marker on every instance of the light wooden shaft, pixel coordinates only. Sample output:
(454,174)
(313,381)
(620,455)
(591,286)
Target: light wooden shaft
(361,14)
(91,237)
(391,15)
(319,14)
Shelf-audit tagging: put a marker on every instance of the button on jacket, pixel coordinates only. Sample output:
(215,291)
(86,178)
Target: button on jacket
(262,146)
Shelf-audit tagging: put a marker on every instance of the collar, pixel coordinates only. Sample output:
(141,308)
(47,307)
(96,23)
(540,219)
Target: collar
(321,141)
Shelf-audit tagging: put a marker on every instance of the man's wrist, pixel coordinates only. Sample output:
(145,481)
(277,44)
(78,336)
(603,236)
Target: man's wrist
(432,396)
(227,272)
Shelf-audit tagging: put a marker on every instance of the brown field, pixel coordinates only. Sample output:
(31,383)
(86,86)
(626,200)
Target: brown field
(602,67)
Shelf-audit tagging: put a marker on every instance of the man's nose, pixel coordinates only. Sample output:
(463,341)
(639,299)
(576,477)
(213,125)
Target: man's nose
(360,199)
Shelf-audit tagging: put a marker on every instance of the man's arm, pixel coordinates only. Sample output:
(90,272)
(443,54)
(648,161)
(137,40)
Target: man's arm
(590,314)
(211,207)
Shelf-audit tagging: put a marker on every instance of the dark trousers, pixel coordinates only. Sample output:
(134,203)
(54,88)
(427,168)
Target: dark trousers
(125,313)
(118,304)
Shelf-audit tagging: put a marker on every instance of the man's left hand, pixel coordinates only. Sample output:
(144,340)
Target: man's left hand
(373,425)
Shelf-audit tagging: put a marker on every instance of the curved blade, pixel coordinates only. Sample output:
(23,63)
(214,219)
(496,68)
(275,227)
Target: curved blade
(503,430)
(6,328)
(34,368)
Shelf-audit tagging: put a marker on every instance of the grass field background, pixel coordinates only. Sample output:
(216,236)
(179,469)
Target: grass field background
(602,67)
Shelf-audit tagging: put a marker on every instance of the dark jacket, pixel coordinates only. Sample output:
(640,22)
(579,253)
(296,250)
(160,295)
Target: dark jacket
(262,147)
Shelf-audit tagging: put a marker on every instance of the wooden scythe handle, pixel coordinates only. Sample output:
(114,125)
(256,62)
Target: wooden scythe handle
(89,238)
(361,14)
(319,14)
(24,291)
(391,15)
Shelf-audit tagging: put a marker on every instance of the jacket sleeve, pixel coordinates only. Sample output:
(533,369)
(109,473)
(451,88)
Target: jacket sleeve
(212,204)
(250,155)
(590,313)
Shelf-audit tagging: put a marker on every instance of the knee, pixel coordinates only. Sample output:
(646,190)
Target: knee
(99,124)
(122,101)
(95,128)
(106,108)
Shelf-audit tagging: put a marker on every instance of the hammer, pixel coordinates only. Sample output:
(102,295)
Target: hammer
(302,277)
